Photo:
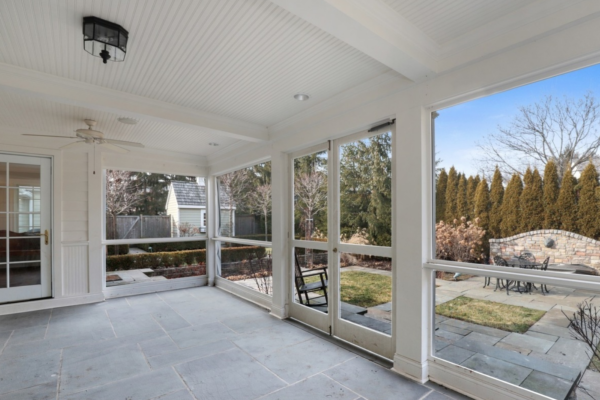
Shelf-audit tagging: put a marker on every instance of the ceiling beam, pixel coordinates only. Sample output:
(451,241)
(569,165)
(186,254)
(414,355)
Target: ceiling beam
(375,29)
(81,94)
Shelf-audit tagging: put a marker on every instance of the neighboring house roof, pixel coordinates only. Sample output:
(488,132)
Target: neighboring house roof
(192,194)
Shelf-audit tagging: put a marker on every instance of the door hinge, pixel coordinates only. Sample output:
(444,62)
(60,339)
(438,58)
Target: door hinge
(329,330)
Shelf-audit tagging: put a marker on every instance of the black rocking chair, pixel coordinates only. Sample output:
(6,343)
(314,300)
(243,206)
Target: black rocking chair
(304,288)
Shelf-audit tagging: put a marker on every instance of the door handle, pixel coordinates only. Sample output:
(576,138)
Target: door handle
(46,236)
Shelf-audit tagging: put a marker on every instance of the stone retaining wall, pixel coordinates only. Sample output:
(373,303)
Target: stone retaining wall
(567,247)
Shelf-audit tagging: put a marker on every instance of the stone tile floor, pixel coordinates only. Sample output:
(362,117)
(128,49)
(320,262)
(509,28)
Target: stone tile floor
(199,343)
(545,359)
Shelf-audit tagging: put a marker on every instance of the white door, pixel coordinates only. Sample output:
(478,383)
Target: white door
(349,172)
(25,234)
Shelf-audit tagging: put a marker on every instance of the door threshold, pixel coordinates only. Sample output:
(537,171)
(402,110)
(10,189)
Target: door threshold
(376,358)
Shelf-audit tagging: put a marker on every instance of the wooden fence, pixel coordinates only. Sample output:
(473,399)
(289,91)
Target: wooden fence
(138,226)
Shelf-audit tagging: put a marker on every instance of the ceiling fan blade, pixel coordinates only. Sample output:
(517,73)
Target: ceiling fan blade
(80,143)
(114,148)
(63,137)
(124,143)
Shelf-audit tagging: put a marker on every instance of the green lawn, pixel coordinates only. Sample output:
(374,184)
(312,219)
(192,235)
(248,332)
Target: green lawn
(489,313)
(363,289)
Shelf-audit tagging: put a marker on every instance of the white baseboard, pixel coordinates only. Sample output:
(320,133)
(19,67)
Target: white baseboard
(279,312)
(153,287)
(411,369)
(46,304)
(245,293)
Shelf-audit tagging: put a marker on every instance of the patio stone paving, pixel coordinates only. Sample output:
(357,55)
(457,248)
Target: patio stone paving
(159,346)
(545,359)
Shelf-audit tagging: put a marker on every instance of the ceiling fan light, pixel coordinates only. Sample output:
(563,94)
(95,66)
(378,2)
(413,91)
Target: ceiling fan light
(104,39)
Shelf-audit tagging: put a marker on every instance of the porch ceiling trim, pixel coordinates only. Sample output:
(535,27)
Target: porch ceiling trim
(82,94)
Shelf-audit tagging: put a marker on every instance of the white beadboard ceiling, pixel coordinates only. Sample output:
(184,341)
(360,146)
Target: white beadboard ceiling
(234,63)
(446,20)
(239,59)
(27,114)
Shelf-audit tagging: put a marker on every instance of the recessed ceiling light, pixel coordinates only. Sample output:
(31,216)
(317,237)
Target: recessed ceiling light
(213,144)
(128,121)
(301,96)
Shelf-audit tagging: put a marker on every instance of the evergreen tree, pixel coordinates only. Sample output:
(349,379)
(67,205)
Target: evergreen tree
(471,189)
(567,203)
(551,191)
(511,207)
(482,204)
(588,210)
(496,197)
(532,203)
(451,194)
(462,203)
(440,195)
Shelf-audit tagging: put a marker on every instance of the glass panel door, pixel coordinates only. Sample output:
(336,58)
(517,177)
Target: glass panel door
(362,230)
(342,256)
(25,256)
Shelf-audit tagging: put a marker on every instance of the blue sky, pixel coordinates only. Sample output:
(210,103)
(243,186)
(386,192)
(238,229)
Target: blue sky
(459,128)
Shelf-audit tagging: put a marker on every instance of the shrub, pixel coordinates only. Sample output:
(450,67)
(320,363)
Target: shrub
(257,236)
(179,258)
(459,241)
(117,249)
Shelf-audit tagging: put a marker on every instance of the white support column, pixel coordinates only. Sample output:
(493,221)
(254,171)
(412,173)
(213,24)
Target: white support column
(280,231)
(212,222)
(96,258)
(411,300)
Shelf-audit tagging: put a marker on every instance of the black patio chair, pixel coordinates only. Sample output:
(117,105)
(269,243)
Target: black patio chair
(544,267)
(304,288)
(499,282)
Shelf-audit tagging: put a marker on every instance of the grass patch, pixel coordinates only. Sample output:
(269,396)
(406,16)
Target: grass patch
(488,313)
(363,289)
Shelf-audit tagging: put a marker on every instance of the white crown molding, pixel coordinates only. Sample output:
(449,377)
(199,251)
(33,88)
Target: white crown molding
(82,94)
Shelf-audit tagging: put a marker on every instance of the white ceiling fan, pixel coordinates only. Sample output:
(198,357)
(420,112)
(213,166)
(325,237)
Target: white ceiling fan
(90,136)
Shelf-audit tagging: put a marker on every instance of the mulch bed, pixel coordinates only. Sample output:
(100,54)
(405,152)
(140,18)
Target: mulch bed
(113,278)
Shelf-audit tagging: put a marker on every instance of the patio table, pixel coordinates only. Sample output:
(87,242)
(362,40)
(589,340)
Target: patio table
(516,262)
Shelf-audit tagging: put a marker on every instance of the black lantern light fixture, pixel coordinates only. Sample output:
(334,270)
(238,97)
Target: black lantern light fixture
(104,39)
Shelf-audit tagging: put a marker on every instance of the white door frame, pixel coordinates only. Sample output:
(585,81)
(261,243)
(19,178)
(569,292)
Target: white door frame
(44,289)
(331,322)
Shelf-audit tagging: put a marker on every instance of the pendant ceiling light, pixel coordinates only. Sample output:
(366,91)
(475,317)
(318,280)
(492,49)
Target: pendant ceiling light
(104,39)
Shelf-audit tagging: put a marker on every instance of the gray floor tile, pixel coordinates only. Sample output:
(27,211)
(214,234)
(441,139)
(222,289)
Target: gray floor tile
(436,396)
(375,382)
(190,353)
(251,323)
(454,354)
(201,334)
(483,338)
(318,387)
(158,346)
(134,324)
(248,380)
(102,368)
(4,337)
(87,350)
(528,342)
(179,395)
(449,336)
(297,362)
(25,335)
(24,320)
(445,391)
(170,320)
(548,385)
(146,386)
(23,372)
(496,368)
(272,338)
(46,391)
